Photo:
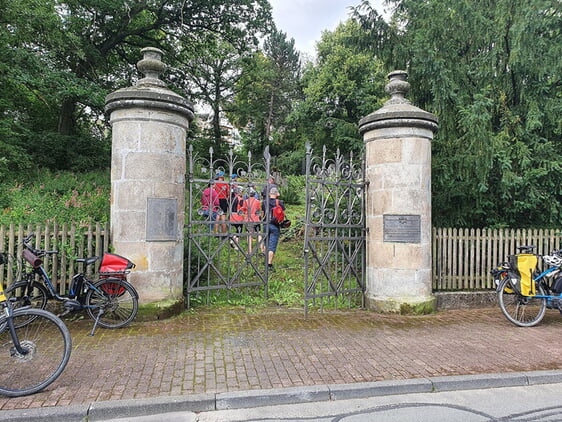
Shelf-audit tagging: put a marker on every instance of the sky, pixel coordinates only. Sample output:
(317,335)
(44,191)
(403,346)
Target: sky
(304,20)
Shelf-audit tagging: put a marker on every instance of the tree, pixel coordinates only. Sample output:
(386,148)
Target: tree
(266,91)
(345,84)
(80,50)
(285,63)
(492,74)
(209,72)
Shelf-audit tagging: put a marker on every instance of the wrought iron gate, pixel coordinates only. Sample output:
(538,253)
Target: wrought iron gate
(233,258)
(335,231)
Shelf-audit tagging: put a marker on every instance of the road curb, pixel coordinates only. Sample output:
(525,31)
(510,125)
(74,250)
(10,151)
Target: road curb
(137,408)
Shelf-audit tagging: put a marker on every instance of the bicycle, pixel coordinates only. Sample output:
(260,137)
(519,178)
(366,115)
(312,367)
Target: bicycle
(525,304)
(32,354)
(111,301)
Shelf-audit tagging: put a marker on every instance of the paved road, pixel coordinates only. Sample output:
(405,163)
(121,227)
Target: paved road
(498,404)
(229,352)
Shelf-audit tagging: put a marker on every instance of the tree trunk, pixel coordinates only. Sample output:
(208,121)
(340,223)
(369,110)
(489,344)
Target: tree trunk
(217,132)
(67,123)
(269,118)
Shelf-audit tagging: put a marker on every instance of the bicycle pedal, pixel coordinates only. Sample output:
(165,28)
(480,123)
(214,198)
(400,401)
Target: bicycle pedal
(65,313)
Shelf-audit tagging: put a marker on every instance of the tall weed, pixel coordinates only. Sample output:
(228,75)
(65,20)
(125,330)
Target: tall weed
(58,196)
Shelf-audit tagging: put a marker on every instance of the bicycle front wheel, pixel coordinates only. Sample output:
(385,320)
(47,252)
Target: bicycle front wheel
(114,301)
(524,311)
(47,345)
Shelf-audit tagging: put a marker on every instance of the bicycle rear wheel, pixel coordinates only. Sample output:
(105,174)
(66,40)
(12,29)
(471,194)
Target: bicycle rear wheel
(48,345)
(118,300)
(524,311)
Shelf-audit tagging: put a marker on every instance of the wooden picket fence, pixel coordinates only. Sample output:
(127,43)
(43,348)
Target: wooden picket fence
(72,241)
(463,258)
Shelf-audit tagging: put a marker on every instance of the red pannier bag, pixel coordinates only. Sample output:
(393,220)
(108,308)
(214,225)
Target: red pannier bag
(115,266)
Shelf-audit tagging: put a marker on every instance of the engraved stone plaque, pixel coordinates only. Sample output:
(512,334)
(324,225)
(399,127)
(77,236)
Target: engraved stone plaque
(402,228)
(161,219)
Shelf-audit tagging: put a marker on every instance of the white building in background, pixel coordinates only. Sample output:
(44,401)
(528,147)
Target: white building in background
(231,135)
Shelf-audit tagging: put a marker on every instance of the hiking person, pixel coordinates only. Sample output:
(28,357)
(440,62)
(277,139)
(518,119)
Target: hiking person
(210,204)
(253,217)
(238,213)
(275,210)
(270,184)
(223,192)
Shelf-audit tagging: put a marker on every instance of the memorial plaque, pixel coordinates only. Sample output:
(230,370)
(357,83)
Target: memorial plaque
(161,219)
(402,228)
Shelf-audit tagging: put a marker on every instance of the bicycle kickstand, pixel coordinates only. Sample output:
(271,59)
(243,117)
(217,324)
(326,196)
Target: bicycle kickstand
(96,322)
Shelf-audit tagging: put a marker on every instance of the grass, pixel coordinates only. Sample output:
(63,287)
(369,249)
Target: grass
(285,285)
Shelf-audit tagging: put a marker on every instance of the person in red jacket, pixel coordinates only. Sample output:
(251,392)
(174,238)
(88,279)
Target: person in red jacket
(223,192)
(253,217)
(210,205)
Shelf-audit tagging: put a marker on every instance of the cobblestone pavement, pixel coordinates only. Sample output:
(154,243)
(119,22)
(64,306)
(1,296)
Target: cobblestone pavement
(232,351)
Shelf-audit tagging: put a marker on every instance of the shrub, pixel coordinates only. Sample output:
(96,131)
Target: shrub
(293,192)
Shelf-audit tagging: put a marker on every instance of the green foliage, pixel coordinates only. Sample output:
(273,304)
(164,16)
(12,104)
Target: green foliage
(62,197)
(292,162)
(491,72)
(60,60)
(343,86)
(265,93)
(209,71)
(292,193)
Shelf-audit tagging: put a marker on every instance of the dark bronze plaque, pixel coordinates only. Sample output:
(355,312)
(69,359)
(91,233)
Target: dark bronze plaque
(161,219)
(402,228)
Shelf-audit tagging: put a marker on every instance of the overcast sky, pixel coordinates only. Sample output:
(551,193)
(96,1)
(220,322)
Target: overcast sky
(304,20)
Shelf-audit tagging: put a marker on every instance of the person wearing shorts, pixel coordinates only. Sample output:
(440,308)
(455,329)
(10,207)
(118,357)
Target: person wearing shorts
(253,218)
(223,192)
(237,215)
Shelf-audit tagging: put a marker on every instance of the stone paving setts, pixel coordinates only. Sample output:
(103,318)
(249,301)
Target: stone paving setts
(213,352)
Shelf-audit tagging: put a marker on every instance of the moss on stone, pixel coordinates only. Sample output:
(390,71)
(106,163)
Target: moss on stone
(421,308)
(160,310)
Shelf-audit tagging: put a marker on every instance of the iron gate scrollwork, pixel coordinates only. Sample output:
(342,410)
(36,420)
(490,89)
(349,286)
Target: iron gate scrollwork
(335,230)
(233,258)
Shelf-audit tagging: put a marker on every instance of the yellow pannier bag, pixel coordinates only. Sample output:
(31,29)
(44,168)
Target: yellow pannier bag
(521,273)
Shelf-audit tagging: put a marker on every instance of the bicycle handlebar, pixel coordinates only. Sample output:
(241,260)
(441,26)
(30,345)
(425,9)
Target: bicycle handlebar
(36,252)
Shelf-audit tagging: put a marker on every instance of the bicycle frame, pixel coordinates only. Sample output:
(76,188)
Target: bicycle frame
(107,305)
(540,279)
(75,293)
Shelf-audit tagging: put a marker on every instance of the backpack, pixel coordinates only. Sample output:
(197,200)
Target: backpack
(239,210)
(253,206)
(277,213)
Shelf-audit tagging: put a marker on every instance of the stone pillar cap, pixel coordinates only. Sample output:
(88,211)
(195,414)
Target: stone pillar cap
(398,111)
(150,91)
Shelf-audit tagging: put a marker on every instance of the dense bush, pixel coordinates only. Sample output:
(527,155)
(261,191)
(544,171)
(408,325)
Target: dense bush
(61,197)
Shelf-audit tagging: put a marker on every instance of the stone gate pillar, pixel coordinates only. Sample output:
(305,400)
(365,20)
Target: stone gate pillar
(148,163)
(398,167)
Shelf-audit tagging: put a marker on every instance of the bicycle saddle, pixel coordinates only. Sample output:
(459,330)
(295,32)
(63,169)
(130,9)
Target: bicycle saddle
(526,249)
(87,261)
